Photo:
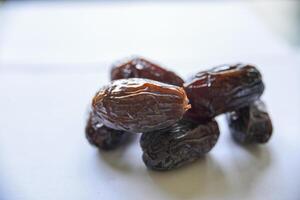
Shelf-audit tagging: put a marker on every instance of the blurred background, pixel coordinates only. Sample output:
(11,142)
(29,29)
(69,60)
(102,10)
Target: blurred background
(77,35)
(54,55)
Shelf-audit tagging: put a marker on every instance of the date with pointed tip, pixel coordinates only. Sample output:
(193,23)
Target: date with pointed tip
(139,105)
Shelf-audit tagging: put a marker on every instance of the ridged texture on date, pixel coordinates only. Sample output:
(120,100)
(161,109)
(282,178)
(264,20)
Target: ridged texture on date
(142,68)
(103,137)
(251,124)
(183,143)
(139,105)
(222,89)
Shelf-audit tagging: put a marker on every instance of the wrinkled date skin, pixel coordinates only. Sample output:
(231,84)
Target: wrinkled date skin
(183,143)
(223,89)
(251,124)
(103,137)
(142,68)
(139,105)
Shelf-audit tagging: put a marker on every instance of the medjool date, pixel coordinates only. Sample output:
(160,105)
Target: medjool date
(222,89)
(139,105)
(142,68)
(251,124)
(103,137)
(182,143)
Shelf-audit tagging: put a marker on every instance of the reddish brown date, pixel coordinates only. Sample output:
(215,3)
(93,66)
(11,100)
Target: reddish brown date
(139,105)
(181,144)
(142,68)
(103,137)
(251,124)
(222,89)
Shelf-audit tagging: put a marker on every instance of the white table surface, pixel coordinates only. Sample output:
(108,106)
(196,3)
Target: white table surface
(53,58)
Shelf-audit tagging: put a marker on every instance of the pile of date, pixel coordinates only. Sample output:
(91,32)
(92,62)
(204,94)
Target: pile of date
(176,118)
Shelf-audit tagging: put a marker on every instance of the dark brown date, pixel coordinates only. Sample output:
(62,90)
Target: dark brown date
(103,137)
(139,105)
(251,124)
(182,143)
(222,89)
(142,68)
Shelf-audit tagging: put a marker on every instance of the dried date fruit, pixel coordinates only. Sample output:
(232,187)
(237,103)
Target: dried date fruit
(142,68)
(251,124)
(139,105)
(182,143)
(222,89)
(103,137)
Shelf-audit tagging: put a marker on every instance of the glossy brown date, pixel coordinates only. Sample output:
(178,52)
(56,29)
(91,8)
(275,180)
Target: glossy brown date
(222,89)
(142,68)
(181,144)
(251,124)
(139,105)
(103,137)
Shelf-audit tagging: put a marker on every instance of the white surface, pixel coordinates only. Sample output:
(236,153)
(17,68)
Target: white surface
(53,59)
